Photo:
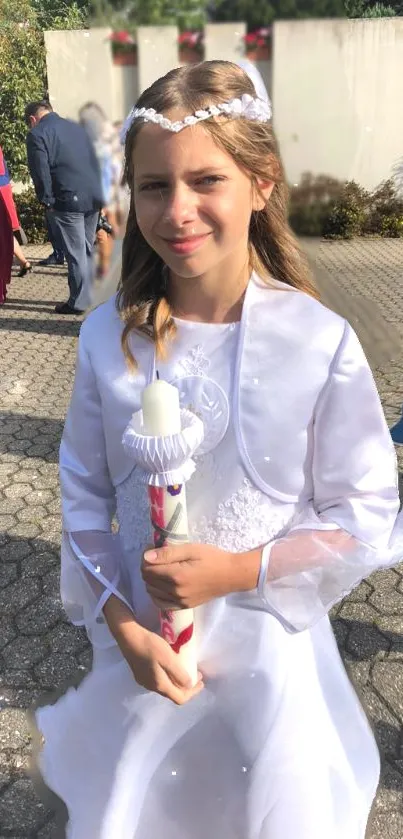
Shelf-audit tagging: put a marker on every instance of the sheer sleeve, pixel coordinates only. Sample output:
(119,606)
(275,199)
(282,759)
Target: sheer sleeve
(92,558)
(352,527)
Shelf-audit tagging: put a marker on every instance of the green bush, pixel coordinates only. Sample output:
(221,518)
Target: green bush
(32,216)
(310,203)
(385,216)
(348,216)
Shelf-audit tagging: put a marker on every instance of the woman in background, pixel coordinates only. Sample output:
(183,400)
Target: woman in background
(6,248)
(7,195)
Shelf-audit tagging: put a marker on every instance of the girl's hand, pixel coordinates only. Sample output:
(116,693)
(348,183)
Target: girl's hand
(153,664)
(185,576)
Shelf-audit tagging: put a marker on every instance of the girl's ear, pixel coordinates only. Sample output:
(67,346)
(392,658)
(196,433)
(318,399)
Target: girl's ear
(262,191)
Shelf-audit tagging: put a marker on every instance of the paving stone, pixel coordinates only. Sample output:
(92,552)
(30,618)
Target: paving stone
(390,796)
(361,594)
(387,602)
(18,595)
(11,505)
(20,808)
(387,825)
(14,729)
(26,476)
(14,551)
(67,639)
(32,513)
(365,641)
(25,530)
(39,497)
(383,581)
(24,651)
(6,522)
(41,616)
(391,626)
(18,490)
(38,565)
(387,678)
(8,574)
(56,670)
(7,631)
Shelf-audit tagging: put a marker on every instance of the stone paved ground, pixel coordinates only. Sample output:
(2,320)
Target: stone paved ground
(39,651)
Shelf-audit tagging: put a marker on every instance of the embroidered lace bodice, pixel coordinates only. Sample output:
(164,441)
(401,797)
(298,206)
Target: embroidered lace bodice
(224,507)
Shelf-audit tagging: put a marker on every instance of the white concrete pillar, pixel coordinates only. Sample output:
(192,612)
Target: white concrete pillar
(157,53)
(79,67)
(224,41)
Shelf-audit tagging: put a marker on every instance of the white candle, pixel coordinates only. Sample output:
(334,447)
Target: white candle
(161,409)
(161,417)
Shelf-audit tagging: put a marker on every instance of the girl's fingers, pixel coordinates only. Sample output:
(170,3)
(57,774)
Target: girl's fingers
(174,670)
(180,695)
(162,600)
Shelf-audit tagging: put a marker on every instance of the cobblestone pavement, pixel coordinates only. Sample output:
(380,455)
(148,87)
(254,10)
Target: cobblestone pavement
(39,651)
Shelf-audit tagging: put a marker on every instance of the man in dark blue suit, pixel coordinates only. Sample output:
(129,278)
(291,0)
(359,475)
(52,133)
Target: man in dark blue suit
(67,180)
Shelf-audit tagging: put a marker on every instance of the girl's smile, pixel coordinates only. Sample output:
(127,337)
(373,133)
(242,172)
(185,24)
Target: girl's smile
(184,245)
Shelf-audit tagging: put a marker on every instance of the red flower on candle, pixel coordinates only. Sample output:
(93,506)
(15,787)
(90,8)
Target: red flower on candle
(183,638)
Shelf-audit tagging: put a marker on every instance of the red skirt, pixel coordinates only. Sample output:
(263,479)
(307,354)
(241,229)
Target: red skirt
(8,199)
(6,247)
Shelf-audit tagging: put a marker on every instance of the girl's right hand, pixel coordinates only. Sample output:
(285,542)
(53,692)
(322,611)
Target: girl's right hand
(153,663)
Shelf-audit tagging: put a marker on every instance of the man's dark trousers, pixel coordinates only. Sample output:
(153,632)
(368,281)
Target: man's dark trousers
(55,238)
(78,231)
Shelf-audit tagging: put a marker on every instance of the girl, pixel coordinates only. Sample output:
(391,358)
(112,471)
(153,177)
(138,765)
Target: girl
(292,503)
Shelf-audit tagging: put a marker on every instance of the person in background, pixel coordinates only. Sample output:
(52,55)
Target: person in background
(6,247)
(7,193)
(67,180)
(248,65)
(108,149)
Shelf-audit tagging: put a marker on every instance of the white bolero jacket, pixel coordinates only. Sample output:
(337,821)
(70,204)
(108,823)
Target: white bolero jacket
(308,419)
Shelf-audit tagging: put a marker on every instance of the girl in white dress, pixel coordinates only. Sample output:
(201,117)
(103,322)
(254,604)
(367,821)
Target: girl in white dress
(294,500)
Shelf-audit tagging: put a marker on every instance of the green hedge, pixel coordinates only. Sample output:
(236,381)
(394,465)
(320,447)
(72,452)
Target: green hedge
(32,216)
(322,206)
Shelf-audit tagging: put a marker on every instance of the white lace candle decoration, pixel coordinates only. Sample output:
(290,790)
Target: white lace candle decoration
(162,438)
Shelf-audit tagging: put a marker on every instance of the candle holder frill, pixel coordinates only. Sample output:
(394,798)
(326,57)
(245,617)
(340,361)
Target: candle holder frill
(164,461)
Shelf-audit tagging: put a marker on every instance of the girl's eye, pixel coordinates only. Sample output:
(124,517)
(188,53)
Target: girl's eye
(210,180)
(154,185)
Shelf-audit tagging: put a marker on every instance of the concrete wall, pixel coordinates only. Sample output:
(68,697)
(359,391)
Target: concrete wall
(337,97)
(80,68)
(157,53)
(223,41)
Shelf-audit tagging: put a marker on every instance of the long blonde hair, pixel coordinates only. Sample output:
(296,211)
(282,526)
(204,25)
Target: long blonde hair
(274,250)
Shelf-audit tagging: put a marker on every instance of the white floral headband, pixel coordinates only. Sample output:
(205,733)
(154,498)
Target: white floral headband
(247,106)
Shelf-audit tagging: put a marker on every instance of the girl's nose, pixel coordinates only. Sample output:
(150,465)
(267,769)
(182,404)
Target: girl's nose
(180,208)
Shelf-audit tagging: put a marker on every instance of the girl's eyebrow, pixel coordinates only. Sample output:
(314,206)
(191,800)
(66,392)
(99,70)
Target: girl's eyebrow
(194,172)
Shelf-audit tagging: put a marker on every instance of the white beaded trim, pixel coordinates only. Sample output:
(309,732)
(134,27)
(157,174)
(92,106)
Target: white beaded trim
(247,107)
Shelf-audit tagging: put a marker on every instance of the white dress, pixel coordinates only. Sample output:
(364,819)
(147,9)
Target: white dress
(277,745)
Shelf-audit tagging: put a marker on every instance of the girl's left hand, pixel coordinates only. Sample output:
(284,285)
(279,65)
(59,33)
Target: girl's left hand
(185,576)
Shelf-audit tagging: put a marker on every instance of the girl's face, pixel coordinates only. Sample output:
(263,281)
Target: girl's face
(193,203)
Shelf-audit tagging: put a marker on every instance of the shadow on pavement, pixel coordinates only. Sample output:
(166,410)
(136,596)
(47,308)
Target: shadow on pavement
(31,436)
(61,325)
